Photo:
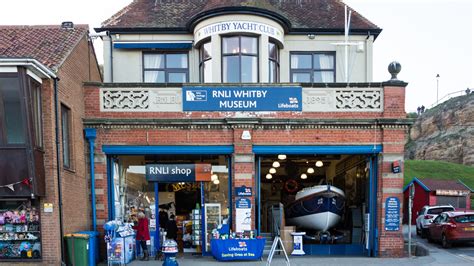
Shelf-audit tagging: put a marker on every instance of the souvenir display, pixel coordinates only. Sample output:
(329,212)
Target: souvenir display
(120,239)
(19,231)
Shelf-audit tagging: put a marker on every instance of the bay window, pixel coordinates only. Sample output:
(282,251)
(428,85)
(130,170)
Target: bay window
(273,62)
(12,129)
(312,67)
(239,59)
(205,62)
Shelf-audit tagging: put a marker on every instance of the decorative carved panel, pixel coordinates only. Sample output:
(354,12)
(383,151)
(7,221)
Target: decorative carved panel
(141,100)
(125,99)
(353,99)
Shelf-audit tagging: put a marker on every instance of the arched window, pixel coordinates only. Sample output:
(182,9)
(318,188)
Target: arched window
(205,62)
(273,63)
(239,59)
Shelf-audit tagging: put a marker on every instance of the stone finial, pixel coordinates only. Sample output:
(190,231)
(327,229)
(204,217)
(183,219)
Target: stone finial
(394,68)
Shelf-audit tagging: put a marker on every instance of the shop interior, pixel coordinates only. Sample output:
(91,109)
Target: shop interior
(282,176)
(133,193)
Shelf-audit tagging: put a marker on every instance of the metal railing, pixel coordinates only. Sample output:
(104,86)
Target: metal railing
(451,95)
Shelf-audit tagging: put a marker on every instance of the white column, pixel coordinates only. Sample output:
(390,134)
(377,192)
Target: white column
(263,59)
(216,59)
(107,63)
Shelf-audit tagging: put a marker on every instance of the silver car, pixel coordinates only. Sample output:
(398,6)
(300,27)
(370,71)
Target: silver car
(426,216)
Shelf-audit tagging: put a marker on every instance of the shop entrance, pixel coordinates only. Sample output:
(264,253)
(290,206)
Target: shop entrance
(330,196)
(187,201)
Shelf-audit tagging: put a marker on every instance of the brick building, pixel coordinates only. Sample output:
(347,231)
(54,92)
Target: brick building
(259,90)
(42,69)
(433,192)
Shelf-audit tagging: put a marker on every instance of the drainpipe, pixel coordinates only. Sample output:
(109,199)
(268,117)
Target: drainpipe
(90,134)
(58,163)
(111,57)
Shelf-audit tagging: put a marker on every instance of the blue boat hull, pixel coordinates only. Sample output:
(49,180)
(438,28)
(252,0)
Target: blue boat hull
(319,211)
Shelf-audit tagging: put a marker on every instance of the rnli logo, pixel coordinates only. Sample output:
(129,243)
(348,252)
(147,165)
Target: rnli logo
(293,100)
(242,245)
(196,96)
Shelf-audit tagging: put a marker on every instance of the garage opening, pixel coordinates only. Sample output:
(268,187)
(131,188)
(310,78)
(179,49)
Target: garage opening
(325,196)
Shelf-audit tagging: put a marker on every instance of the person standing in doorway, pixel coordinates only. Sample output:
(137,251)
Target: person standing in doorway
(143,234)
(172,228)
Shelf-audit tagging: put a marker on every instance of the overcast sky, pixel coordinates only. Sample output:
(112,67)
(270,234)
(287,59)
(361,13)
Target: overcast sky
(427,37)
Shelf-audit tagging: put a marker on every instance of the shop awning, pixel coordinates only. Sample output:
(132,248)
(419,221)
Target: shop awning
(185,45)
(145,150)
(328,149)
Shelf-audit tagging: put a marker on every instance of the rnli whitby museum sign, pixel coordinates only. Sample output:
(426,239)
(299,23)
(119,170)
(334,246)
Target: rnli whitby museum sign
(242,98)
(238,26)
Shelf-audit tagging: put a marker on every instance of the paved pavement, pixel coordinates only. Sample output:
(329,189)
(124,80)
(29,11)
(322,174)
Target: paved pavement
(460,251)
(458,255)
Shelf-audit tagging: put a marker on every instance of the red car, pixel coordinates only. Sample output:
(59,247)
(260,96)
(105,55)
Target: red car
(450,227)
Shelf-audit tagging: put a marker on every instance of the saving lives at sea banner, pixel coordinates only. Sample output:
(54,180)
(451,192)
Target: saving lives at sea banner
(242,98)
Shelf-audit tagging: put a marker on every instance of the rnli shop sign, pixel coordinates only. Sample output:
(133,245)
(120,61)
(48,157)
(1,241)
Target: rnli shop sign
(238,26)
(242,99)
(171,173)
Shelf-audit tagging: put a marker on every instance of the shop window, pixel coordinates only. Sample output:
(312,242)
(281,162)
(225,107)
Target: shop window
(205,62)
(37,113)
(165,67)
(20,234)
(66,135)
(239,59)
(312,67)
(12,129)
(273,63)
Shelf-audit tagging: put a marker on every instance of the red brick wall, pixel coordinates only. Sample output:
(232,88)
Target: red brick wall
(391,137)
(80,66)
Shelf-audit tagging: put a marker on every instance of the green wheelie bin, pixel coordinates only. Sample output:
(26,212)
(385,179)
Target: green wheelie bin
(77,248)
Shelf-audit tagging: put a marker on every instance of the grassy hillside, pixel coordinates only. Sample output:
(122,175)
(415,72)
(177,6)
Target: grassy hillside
(438,170)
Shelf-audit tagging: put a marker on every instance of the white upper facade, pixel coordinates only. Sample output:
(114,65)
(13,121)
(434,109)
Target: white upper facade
(236,48)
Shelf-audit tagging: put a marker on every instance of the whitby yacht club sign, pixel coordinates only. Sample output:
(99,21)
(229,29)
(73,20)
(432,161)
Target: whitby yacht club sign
(238,26)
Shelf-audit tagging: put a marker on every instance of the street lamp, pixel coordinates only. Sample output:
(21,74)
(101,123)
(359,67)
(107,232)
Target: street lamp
(437,88)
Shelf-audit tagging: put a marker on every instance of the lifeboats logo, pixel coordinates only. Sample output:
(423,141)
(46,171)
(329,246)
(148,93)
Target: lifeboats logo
(242,245)
(293,103)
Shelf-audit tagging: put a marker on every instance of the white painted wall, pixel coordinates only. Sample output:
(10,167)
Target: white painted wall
(127,63)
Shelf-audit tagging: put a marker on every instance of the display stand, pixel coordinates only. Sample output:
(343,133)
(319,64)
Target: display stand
(298,244)
(121,250)
(276,242)
(212,220)
(196,234)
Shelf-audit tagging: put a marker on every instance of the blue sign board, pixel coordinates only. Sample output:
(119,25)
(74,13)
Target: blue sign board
(243,203)
(237,249)
(242,98)
(170,173)
(243,191)
(392,214)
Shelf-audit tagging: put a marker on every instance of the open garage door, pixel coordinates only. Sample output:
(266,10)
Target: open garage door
(328,192)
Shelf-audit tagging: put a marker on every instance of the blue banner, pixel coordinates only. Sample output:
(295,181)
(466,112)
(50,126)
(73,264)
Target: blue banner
(170,173)
(237,249)
(243,191)
(242,98)
(392,214)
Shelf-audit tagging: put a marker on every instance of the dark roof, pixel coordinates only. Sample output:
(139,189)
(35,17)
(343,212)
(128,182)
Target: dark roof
(49,44)
(294,15)
(430,184)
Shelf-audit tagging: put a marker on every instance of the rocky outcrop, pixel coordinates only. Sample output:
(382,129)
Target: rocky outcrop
(444,133)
